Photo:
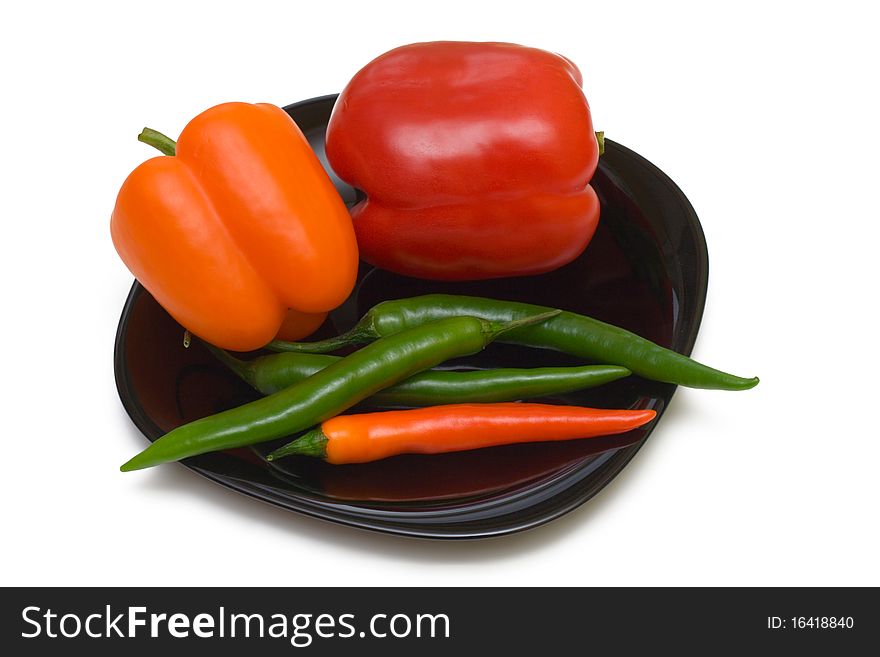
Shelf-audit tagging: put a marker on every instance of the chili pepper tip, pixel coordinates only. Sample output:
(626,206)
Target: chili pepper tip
(130,465)
(745,384)
(152,455)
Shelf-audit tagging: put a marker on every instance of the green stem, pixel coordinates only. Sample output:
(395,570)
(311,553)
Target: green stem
(357,335)
(157,140)
(240,367)
(365,332)
(313,443)
(499,328)
(600,137)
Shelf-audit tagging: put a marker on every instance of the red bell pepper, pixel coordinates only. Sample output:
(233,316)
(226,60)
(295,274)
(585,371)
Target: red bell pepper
(475,159)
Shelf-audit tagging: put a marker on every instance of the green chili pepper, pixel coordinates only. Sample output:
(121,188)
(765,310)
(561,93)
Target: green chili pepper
(567,332)
(330,391)
(269,374)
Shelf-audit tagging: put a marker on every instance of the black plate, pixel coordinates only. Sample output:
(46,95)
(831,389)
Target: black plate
(646,270)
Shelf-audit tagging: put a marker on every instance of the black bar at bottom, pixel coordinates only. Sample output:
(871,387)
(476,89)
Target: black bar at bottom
(406,621)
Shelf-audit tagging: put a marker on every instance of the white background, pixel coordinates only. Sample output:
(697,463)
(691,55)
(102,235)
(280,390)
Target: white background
(765,114)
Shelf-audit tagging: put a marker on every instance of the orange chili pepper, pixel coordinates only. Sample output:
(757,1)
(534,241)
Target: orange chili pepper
(436,429)
(240,225)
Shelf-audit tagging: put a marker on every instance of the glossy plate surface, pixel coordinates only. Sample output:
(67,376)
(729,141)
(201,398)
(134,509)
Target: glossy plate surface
(646,270)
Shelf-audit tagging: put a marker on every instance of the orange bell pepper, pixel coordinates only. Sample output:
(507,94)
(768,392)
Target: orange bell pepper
(299,324)
(240,225)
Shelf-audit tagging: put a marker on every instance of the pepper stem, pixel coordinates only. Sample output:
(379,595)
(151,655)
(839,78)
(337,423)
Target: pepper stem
(358,335)
(499,328)
(157,140)
(239,367)
(312,443)
(600,137)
